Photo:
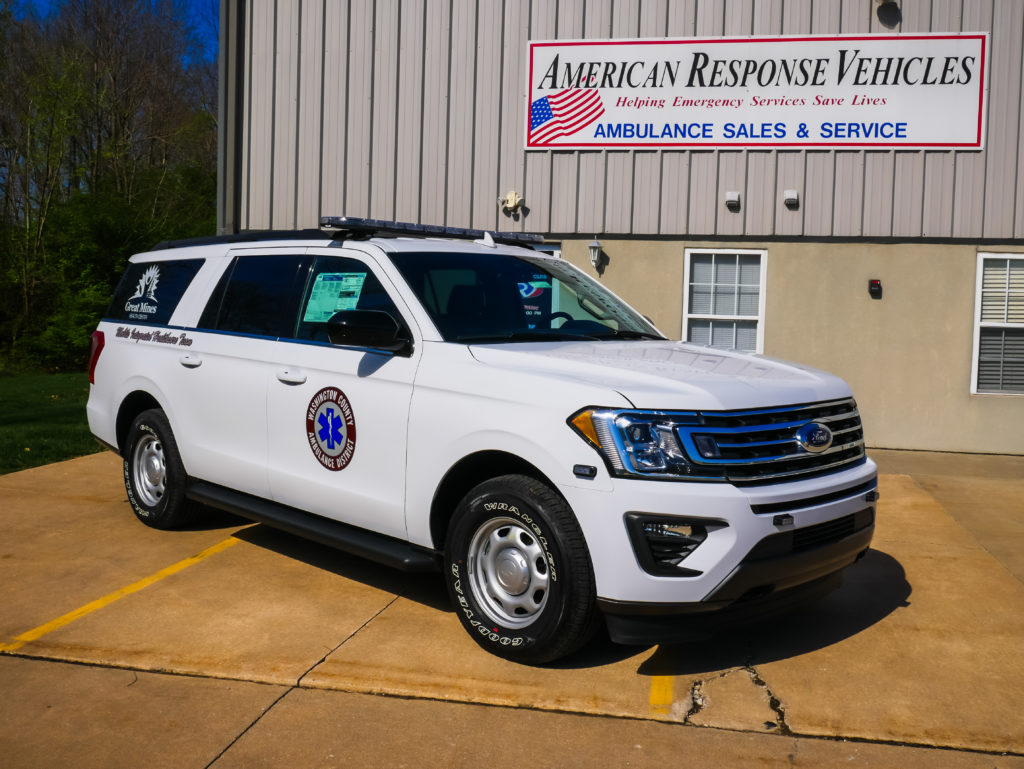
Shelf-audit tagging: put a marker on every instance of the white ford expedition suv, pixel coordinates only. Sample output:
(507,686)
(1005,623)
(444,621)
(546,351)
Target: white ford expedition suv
(433,399)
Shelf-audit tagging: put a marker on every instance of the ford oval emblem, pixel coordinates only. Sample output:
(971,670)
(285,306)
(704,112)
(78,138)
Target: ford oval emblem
(814,437)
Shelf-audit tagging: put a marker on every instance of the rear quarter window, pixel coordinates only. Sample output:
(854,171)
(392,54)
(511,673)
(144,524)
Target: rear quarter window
(149,291)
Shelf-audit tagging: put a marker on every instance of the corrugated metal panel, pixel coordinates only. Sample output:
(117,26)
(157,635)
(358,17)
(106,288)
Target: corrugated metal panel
(590,192)
(434,159)
(1003,126)
(849,194)
(646,190)
(760,196)
(732,172)
(286,113)
(564,184)
(938,194)
(675,193)
(703,193)
(357,128)
(791,175)
(908,207)
(311,77)
(332,171)
(879,170)
(415,109)
(620,193)
(383,134)
(410,111)
(487,105)
(462,110)
(768,17)
(969,192)
(260,136)
(819,186)
(653,21)
(512,163)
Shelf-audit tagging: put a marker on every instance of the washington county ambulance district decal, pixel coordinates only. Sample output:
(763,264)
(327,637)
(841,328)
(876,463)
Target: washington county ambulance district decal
(331,428)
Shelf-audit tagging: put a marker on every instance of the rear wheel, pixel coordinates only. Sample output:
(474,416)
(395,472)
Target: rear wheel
(518,571)
(154,475)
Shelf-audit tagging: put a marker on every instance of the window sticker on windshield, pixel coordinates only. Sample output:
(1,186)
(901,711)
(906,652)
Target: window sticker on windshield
(533,288)
(332,292)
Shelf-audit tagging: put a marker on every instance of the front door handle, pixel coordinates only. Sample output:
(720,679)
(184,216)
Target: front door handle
(291,376)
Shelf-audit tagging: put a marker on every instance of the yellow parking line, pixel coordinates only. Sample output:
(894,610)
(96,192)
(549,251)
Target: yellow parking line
(662,695)
(89,608)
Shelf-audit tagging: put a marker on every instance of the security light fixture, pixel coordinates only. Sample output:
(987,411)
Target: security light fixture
(732,200)
(791,198)
(594,247)
(889,13)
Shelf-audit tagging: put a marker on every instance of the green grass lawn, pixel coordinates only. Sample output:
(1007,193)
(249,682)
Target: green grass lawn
(42,420)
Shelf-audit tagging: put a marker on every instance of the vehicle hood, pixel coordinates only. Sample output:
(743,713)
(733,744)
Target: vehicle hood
(668,375)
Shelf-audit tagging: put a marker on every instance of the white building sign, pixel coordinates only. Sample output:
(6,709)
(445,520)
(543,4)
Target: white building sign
(824,91)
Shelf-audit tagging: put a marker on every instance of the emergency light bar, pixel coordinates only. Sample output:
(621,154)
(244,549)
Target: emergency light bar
(371,227)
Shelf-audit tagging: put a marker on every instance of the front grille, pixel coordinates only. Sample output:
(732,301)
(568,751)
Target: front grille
(761,445)
(811,537)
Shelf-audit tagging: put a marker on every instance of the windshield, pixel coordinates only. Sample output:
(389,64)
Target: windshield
(495,297)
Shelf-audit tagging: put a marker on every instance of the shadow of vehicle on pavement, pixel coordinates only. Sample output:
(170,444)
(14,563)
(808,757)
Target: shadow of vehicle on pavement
(871,589)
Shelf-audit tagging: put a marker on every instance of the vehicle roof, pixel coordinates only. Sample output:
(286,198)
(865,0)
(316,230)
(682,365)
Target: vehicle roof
(387,235)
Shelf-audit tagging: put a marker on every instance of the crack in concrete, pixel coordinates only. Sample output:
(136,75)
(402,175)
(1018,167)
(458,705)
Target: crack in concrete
(298,685)
(697,700)
(773,702)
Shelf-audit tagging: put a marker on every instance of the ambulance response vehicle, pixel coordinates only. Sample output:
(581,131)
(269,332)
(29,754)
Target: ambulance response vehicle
(441,399)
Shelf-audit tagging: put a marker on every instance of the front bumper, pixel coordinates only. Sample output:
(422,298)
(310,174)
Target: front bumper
(758,587)
(763,541)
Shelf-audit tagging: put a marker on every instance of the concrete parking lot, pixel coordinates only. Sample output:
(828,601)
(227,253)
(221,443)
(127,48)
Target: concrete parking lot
(235,645)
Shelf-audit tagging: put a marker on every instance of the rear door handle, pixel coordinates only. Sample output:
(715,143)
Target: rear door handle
(188,360)
(291,376)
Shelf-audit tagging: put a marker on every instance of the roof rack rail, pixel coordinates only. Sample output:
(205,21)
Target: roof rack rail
(370,227)
(241,237)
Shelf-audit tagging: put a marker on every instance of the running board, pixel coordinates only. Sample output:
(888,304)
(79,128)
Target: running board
(351,539)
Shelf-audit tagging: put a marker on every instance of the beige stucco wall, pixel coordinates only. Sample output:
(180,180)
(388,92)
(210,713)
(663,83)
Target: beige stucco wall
(907,356)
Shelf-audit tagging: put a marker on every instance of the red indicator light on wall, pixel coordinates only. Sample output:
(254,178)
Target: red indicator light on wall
(875,288)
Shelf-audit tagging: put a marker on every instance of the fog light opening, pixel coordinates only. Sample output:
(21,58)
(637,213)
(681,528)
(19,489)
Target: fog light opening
(662,544)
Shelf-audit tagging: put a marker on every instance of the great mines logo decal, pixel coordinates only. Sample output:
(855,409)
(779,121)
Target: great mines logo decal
(331,428)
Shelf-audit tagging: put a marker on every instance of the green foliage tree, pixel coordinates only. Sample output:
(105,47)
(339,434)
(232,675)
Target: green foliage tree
(107,145)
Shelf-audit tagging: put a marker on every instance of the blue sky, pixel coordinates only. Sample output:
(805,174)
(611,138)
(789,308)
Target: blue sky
(204,15)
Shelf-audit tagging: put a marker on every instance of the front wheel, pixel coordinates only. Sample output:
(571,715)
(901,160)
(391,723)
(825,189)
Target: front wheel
(154,475)
(518,571)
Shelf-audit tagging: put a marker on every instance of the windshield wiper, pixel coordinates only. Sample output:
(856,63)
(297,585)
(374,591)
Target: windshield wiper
(624,333)
(524,336)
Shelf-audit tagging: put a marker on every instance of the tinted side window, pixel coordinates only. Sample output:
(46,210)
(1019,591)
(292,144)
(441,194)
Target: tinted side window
(149,291)
(258,295)
(339,283)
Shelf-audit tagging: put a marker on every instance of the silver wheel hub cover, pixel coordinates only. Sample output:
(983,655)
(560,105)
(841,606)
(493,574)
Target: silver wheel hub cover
(513,571)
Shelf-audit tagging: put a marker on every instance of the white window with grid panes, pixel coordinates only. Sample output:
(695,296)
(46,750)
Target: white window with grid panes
(999,325)
(723,303)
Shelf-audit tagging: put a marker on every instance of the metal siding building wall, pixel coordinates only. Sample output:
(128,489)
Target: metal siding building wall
(414,109)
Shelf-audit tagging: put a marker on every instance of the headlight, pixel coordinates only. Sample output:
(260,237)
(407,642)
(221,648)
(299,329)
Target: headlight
(640,443)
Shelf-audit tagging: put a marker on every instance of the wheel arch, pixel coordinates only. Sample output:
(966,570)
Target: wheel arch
(133,404)
(467,473)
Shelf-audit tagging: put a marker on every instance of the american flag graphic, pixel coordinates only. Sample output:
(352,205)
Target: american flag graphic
(563,114)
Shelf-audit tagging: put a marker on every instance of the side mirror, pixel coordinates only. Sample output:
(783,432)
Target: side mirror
(375,329)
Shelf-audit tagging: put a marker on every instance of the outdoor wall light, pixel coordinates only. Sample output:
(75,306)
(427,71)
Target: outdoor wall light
(791,198)
(889,13)
(594,247)
(732,200)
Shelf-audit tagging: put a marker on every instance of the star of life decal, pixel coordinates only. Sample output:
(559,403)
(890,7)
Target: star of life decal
(331,428)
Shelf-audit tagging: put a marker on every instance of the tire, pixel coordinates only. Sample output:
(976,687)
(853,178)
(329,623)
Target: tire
(518,571)
(154,475)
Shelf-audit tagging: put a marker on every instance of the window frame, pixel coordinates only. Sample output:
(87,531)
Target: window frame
(762,253)
(979,323)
